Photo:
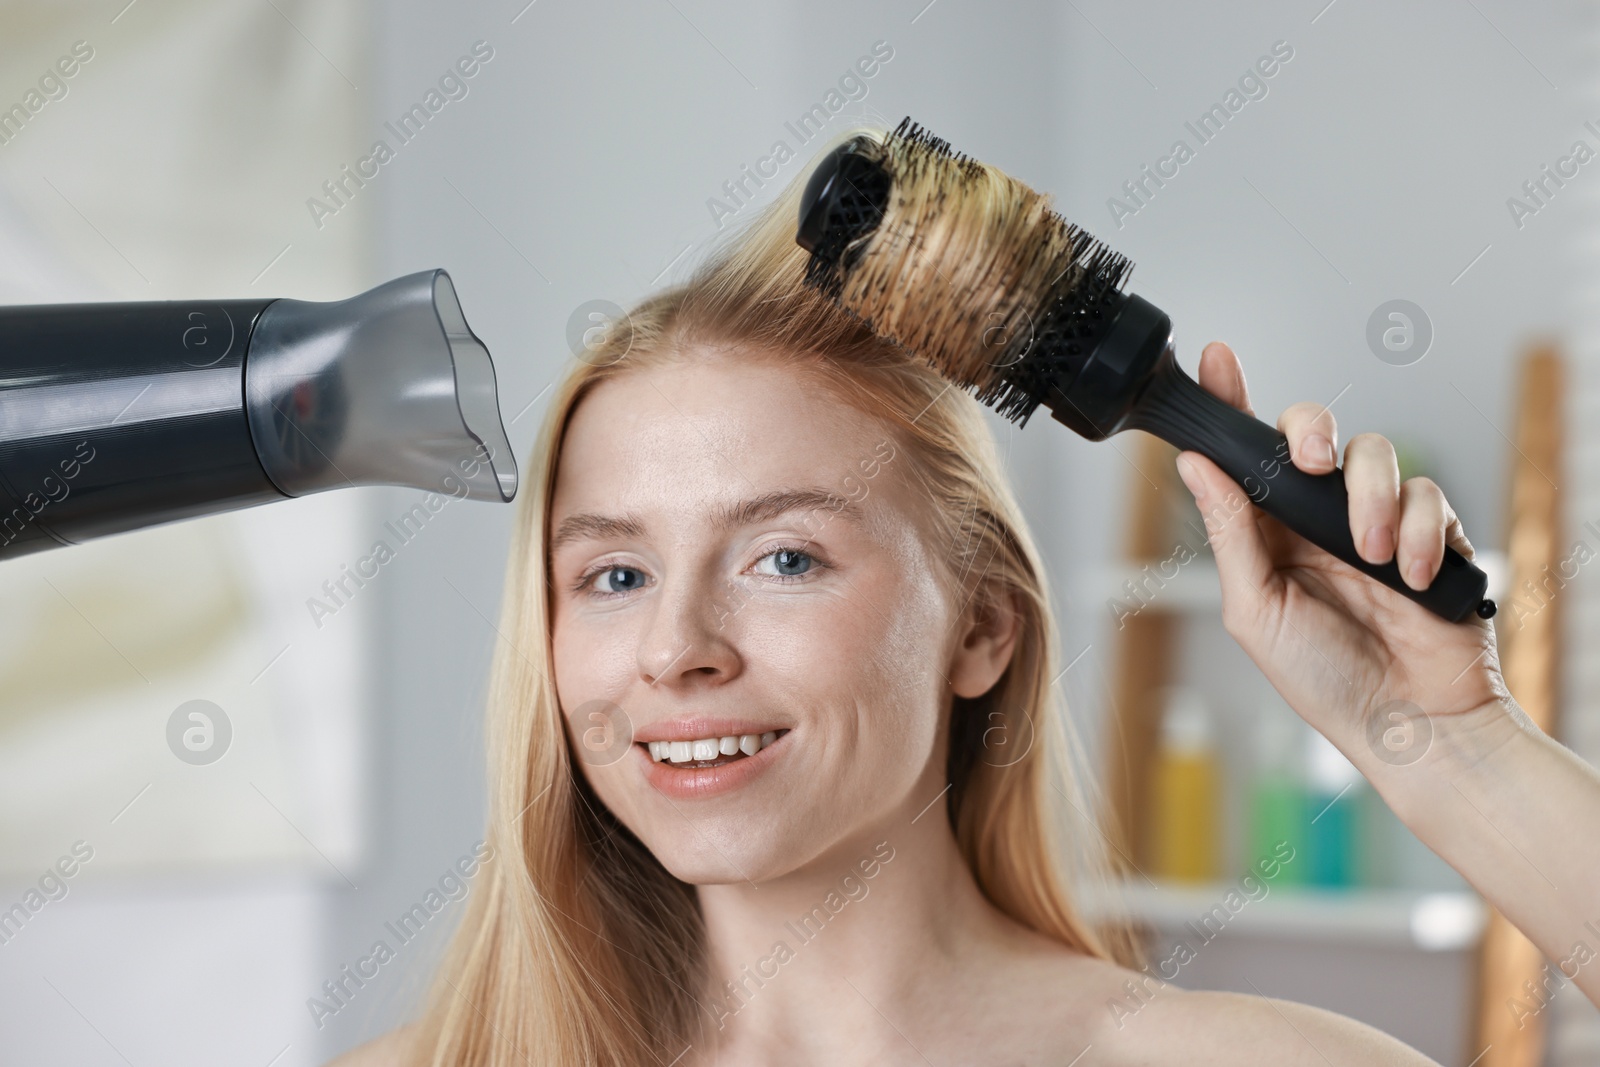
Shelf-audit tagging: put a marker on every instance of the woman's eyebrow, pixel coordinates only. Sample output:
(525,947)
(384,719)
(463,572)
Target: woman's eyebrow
(743,513)
(588,524)
(780,501)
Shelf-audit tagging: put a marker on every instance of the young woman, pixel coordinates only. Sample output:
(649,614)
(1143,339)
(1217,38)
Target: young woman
(779,768)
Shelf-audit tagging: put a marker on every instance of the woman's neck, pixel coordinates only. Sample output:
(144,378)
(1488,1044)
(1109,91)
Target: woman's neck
(881,927)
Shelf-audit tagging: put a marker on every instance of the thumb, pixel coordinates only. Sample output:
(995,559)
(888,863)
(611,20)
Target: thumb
(1250,581)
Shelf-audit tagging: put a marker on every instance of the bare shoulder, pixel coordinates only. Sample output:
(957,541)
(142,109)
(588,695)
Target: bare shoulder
(387,1051)
(1145,1021)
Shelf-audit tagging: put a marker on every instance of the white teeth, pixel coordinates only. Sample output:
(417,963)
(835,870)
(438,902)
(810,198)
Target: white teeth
(709,748)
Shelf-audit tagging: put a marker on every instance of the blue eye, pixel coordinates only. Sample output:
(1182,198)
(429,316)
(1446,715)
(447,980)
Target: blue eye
(785,564)
(789,562)
(623,579)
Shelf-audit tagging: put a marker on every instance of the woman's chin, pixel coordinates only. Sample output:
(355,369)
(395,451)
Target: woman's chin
(710,859)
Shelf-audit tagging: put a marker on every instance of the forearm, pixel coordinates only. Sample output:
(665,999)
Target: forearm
(1518,815)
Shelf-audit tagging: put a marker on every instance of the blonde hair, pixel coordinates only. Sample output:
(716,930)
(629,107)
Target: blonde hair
(579,947)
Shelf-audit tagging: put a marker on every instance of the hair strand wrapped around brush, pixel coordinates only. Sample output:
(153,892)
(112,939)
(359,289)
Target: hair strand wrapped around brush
(955,260)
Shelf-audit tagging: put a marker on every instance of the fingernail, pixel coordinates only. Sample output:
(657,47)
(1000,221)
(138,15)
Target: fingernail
(1419,575)
(1190,476)
(1378,544)
(1319,448)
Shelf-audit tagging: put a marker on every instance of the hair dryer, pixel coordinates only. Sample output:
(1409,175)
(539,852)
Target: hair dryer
(114,417)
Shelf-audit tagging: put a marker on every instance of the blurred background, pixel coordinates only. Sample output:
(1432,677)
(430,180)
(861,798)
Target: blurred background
(1383,208)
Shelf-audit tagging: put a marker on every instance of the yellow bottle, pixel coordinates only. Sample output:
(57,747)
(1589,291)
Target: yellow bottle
(1186,783)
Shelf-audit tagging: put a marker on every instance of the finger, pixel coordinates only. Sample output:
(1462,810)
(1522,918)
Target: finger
(1313,435)
(1222,376)
(1422,531)
(1249,581)
(1372,479)
(1455,535)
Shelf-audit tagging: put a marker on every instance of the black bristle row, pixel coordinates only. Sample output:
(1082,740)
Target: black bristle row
(1072,323)
(911,141)
(912,134)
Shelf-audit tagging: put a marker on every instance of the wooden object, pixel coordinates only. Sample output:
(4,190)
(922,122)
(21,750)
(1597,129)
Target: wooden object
(1145,652)
(1530,659)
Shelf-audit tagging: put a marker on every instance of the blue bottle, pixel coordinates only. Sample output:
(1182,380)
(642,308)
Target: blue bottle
(1334,801)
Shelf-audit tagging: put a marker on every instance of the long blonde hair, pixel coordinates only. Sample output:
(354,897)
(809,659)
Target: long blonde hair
(578,946)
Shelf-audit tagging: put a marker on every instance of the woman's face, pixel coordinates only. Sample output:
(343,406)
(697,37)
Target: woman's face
(704,587)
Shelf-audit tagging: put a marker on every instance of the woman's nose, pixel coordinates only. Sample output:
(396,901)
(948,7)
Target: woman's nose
(688,639)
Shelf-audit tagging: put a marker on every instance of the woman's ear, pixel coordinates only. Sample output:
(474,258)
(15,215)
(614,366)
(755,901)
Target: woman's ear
(989,625)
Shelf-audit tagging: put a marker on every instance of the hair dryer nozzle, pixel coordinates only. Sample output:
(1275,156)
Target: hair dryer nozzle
(114,417)
(390,387)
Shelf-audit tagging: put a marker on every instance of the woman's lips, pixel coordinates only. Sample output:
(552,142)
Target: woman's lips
(691,783)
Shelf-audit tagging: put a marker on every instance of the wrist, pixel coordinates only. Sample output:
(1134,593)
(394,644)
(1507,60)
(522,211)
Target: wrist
(1463,753)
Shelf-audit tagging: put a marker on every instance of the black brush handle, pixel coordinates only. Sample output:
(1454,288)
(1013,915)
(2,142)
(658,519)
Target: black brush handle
(1175,408)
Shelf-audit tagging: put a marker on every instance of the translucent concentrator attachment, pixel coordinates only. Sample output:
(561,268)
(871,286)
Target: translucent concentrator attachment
(390,387)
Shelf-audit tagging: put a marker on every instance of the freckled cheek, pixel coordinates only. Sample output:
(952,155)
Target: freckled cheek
(907,661)
(858,658)
(907,654)
(592,662)
(806,666)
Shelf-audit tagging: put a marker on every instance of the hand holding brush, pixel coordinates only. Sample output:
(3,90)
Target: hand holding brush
(1342,650)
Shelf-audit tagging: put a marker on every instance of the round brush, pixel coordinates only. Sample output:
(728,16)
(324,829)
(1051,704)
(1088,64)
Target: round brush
(973,270)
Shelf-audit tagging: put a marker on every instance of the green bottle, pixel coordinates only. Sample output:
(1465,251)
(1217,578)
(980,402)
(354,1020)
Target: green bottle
(1277,793)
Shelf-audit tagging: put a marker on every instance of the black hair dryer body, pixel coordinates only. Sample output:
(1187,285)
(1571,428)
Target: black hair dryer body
(115,417)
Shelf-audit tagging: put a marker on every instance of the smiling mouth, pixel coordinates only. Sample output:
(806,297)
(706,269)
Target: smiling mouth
(709,751)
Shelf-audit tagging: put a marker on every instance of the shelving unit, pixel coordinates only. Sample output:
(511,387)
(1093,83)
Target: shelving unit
(1392,918)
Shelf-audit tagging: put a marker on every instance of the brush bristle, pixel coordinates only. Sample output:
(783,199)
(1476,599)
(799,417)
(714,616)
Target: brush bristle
(972,270)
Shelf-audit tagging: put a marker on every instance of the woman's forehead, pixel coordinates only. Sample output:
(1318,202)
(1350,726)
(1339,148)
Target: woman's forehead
(700,438)
(750,420)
